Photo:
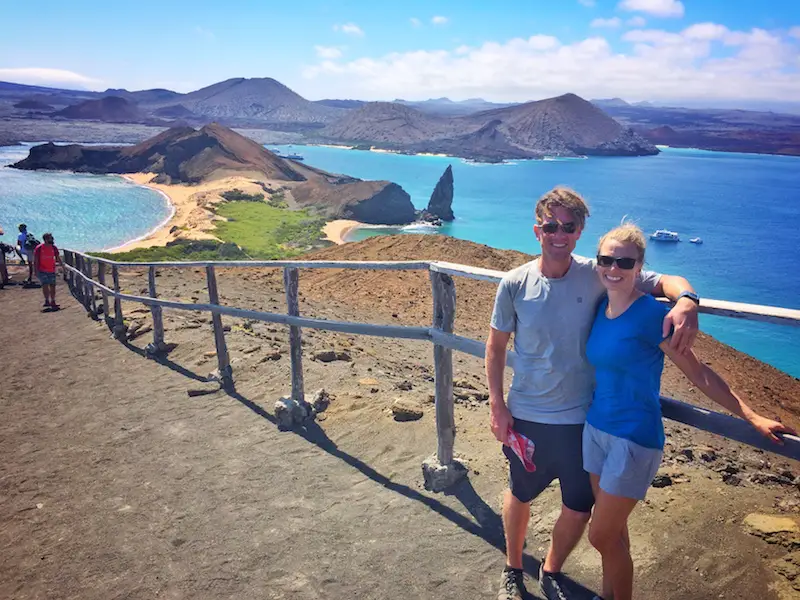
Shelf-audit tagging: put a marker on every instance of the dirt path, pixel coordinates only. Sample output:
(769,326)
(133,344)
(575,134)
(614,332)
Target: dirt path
(114,483)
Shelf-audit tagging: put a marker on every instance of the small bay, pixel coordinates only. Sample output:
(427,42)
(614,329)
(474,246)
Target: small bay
(84,212)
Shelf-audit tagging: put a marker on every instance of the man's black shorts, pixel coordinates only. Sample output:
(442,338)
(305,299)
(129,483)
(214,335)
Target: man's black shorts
(558,455)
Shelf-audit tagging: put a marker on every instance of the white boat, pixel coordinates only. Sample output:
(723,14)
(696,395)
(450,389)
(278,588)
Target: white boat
(696,240)
(665,235)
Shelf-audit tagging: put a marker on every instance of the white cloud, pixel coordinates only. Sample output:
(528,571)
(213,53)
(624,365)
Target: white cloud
(204,33)
(415,21)
(588,3)
(795,32)
(350,29)
(636,21)
(47,77)
(657,8)
(328,52)
(704,61)
(439,20)
(706,31)
(610,23)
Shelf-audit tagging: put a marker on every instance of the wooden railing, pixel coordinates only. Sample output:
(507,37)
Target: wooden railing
(80,270)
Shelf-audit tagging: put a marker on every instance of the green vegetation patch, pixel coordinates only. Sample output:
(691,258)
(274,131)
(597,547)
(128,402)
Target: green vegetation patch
(268,232)
(253,230)
(237,195)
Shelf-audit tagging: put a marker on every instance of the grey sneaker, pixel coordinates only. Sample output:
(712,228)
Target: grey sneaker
(552,585)
(511,585)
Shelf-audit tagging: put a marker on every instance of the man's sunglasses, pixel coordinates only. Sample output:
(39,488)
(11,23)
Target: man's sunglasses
(551,228)
(622,262)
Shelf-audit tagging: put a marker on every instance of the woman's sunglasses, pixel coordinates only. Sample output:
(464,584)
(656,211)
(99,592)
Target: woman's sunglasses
(551,227)
(622,262)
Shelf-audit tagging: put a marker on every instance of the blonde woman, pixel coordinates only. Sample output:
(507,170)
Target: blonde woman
(624,436)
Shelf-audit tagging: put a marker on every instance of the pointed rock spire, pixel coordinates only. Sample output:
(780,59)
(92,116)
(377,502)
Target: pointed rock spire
(441,202)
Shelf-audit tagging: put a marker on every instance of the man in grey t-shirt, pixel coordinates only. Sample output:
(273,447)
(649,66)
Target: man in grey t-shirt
(549,305)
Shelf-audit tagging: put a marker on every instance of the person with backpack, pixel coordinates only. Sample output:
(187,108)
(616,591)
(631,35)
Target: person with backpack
(45,258)
(27,243)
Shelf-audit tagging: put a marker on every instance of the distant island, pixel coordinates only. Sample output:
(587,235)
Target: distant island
(474,129)
(269,112)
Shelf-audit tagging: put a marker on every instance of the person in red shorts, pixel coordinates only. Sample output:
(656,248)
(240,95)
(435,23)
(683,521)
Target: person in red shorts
(45,259)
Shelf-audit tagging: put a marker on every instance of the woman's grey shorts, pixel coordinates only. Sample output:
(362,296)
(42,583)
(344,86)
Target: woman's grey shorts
(625,468)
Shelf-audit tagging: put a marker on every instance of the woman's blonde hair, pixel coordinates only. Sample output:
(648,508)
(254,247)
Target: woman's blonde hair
(627,233)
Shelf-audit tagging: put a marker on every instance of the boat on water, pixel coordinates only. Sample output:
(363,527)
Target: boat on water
(290,155)
(696,240)
(665,235)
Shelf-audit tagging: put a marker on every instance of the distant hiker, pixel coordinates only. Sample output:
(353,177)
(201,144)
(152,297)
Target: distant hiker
(549,305)
(27,244)
(45,258)
(4,249)
(624,435)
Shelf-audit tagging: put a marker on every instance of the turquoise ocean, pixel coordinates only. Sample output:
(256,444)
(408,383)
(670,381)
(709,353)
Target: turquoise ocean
(745,207)
(84,212)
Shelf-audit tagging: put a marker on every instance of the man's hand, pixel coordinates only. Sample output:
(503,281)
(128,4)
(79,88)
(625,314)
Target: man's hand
(500,421)
(768,428)
(683,318)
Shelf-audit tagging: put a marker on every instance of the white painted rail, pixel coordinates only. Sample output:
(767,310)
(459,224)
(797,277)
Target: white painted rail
(78,274)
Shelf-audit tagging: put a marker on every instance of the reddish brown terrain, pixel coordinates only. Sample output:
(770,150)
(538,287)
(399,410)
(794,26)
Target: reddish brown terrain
(116,482)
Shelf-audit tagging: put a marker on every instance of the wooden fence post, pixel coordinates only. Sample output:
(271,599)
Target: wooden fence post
(223,359)
(119,323)
(444,312)
(67,272)
(442,470)
(290,283)
(101,277)
(78,280)
(91,301)
(158,320)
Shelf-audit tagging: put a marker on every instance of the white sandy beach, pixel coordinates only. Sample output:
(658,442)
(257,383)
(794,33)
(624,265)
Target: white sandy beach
(336,231)
(191,217)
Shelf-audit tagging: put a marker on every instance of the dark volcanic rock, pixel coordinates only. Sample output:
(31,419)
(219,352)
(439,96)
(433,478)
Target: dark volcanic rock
(33,105)
(110,109)
(391,205)
(174,111)
(441,200)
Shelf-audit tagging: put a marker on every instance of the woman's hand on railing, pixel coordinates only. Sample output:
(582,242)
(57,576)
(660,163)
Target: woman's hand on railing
(769,428)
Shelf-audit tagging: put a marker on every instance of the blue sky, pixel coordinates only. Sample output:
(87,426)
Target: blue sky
(736,51)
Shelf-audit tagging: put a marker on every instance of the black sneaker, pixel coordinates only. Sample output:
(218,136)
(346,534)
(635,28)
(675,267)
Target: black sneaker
(512,585)
(552,585)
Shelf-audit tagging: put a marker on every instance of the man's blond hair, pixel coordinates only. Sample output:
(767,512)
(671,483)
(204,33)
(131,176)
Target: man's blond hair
(627,233)
(565,198)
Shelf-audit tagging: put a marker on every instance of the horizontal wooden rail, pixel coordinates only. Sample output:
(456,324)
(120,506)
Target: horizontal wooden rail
(688,414)
(389,265)
(394,331)
(727,426)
